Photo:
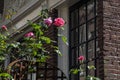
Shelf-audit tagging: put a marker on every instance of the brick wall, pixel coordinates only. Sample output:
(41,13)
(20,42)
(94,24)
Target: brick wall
(111,39)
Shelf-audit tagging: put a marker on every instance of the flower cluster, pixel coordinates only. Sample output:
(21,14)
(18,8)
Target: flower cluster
(59,22)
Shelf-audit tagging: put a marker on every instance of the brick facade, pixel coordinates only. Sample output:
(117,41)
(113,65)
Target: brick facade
(111,39)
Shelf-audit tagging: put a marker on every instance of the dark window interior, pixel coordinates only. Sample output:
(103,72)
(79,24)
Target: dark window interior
(1,6)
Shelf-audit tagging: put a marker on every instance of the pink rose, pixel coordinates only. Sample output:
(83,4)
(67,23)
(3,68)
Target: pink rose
(48,21)
(81,58)
(30,34)
(59,22)
(4,27)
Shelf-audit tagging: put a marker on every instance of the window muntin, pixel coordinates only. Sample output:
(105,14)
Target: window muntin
(83,36)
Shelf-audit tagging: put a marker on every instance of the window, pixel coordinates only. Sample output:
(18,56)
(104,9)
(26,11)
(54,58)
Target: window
(83,37)
(1,7)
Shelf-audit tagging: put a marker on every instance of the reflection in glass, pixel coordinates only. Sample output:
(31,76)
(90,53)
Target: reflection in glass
(82,14)
(90,8)
(91,47)
(91,30)
(82,33)
(74,19)
(74,38)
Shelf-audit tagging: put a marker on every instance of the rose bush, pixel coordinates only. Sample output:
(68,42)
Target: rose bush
(31,46)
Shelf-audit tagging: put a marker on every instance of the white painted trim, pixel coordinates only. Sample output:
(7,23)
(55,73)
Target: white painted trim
(19,21)
(24,11)
(56,4)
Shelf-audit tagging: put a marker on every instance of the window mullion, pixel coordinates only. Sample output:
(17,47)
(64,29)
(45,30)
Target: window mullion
(86,38)
(95,54)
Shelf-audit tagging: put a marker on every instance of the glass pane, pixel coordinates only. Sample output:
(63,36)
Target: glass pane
(91,49)
(74,77)
(74,19)
(91,68)
(91,55)
(96,7)
(82,14)
(97,48)
(82,50)
(49,79)
(97,26)
(74,37)
(82,33)
(74,56)
(90,11)
(82,74)
(91,32)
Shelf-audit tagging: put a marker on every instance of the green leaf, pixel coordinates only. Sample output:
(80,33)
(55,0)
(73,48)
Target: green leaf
(41,32)
(34,53)
(62,28)
(92,78)
(60,35)
(5,75)
(64,40)
(46,39)
(42,58)
(74,71)
(2,58)
(58,51)
(91,67)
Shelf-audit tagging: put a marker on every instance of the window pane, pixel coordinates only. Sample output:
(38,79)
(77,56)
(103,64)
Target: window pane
(97,49)
(91,71)
(82,14)
(90,11)
(74,19)
(74,37)
(82,33)
(82,74)
(91,47)
(91,32)
(74,77)
(74,56)
(97,26)
(96,7)
(82,50)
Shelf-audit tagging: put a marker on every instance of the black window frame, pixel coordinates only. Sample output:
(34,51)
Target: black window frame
(1,6)
(75,47)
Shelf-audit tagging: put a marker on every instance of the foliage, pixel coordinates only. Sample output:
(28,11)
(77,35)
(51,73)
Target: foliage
(32,46)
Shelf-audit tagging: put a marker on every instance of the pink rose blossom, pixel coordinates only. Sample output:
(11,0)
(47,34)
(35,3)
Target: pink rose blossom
(59,22)
(4,27)
(30,34)
(81,58)
(48,21)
